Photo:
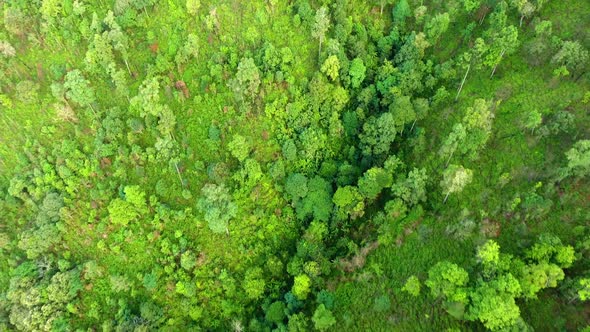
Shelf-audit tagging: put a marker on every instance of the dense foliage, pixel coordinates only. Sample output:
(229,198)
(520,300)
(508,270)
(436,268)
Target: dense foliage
(331,165)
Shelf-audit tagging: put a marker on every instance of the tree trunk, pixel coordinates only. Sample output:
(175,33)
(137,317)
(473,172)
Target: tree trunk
(127,65)
(463,82)
(447,196)
(496,66)
(320,50)
(521,18)
(179,176)
(451,156)
(382,5)
(483,18)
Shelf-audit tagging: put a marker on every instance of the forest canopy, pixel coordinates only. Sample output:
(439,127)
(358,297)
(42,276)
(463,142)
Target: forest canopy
(329,165)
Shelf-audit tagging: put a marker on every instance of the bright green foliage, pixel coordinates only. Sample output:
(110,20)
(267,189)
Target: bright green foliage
(448,281)
(470,5)
(78,88)
(39,302)
(573,56)
(323,318)
(217,206)
(136,198)
(247,81)
(413,188)
(254,284)
(412,286)
(504,41)
(533,120)
(192,6)
(301,286)
(478,126)
(455,178)
(317,202)
(378,134)
(401,11)
(188,260)
(578,159)
(40,240)
(373,182)
(331,67)
(298,323)
(239,148)
(320,26)
(276,312)
(121,212)
(548,248)
(296,186)
(194,166)
(453,141)
(349,202)
(534,278)
(584,291)
(357,72)
(147,101)
(403,112)
(437,26)
(489,254)
(493,303)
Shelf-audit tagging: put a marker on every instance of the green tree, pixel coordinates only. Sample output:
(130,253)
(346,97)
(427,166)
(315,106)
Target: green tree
(276,312)
(437,26)
(349,202)
(247,81)
(473,58)
(320,27)
(317,202)
(296,186)
(452,142)
(533,120)
(121,212)
(403,112)
(253,283)
(448,281)
(412,189)
(504,41)
(478,121)
(412,286)
(455,178)
(357,72)
(78,89)
(373,182)
(323,318)
(578,159)
(301,286)
(493,303)
(584,291)
(331,67)
(378,134)
(239,147)
(471,5)
(216,204)
(573,56)
(192,6)
(401,11)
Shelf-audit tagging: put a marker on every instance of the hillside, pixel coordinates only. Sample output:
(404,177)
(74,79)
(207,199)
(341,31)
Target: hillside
(333,165)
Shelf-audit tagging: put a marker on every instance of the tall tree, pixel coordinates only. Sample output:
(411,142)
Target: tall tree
(320,27)
(455,178)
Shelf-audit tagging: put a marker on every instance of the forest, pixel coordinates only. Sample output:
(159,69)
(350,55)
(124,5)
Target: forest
(294,165)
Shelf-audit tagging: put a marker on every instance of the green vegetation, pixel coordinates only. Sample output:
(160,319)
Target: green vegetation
(334,165)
